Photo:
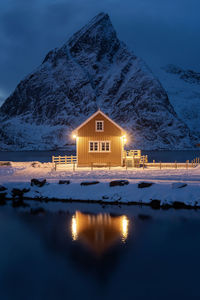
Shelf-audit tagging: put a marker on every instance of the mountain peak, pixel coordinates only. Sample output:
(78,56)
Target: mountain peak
(100,27)
(92,69)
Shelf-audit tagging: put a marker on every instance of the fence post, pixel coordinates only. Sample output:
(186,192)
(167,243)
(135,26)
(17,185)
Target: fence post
(154,163)
(143,164)
(175,165)
(160,165)
(59,158)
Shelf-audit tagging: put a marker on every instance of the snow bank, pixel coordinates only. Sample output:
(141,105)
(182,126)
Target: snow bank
(169,186)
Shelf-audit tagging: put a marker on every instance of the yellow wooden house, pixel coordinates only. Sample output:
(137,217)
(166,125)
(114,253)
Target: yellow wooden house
(99,141)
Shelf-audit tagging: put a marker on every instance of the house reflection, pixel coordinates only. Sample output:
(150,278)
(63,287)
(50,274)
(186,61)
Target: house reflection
(99,232)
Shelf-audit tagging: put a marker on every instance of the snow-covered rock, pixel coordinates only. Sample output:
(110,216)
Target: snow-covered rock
(92,69)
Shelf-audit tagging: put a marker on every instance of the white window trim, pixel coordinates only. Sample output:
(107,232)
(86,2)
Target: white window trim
(99,147)
(102,126)
(105,146)
(93,151)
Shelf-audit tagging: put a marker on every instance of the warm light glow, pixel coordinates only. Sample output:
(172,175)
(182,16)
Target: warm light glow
(124,139)
(74,136)
(125,222)
(74,228)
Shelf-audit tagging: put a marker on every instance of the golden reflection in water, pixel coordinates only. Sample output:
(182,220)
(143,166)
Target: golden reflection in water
(74,228)
(125,223)
(99,232)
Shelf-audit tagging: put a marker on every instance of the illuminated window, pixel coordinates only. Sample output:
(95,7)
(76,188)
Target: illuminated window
(93,146)
(96,146)
(99,125)
(105,146)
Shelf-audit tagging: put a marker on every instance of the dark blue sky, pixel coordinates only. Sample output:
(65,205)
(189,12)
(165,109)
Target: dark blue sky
(159,31)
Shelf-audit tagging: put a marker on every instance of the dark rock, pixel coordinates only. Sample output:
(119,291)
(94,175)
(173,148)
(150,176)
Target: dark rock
(119,183)
(36,211)
(155,203)
(2,188)
(144,217)
(5,163)
(2,198)
(166,206)
(36,165)
(178,205)
(105,197)
(2,195)
(144,185)
(178,185)
(64,182)
(89,182)
(37,182)
(19,193)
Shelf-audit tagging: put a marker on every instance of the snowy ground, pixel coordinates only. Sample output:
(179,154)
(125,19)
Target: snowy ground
(167,185)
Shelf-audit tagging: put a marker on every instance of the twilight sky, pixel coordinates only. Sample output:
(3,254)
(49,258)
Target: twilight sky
(159,31)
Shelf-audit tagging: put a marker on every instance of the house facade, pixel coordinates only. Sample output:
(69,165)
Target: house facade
(99,141)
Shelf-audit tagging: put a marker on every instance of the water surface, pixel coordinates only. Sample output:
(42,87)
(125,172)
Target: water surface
(46,156)
(95,252)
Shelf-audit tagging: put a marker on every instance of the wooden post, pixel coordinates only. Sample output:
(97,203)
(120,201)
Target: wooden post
(186,164)
(73,166)
(59,159)
(154,163)
(192,163)
(160,165)
(143,164)
(53,159)
(175,165)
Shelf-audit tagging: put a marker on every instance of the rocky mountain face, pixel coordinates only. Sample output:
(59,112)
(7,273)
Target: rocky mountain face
(183,89)
(92,70)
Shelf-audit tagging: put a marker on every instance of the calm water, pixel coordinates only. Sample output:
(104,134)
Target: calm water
(46,156)
(90,252)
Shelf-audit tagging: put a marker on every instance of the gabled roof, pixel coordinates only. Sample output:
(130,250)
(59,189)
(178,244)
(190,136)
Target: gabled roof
(95,114)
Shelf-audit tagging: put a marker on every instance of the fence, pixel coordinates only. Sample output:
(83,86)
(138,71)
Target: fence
(72,159)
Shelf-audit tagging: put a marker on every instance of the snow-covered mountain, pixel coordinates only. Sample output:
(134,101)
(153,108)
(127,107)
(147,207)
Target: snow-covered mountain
(183,89)
(92,69)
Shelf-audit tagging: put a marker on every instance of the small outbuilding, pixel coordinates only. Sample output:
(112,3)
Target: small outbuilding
(99,142)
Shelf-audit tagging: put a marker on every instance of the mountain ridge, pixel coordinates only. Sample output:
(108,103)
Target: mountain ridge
(92,69)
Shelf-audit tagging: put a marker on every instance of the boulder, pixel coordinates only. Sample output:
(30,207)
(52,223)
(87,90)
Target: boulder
(142,185)
(19,193)
(178,185)
(64,182)
(155,203)
(178,205)
(2,198)
(119,183)
(2,188)
(38,182)
(89,182)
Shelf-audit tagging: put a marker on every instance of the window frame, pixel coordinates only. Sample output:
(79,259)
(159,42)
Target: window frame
(94,151)
(99,143)
(99,130)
